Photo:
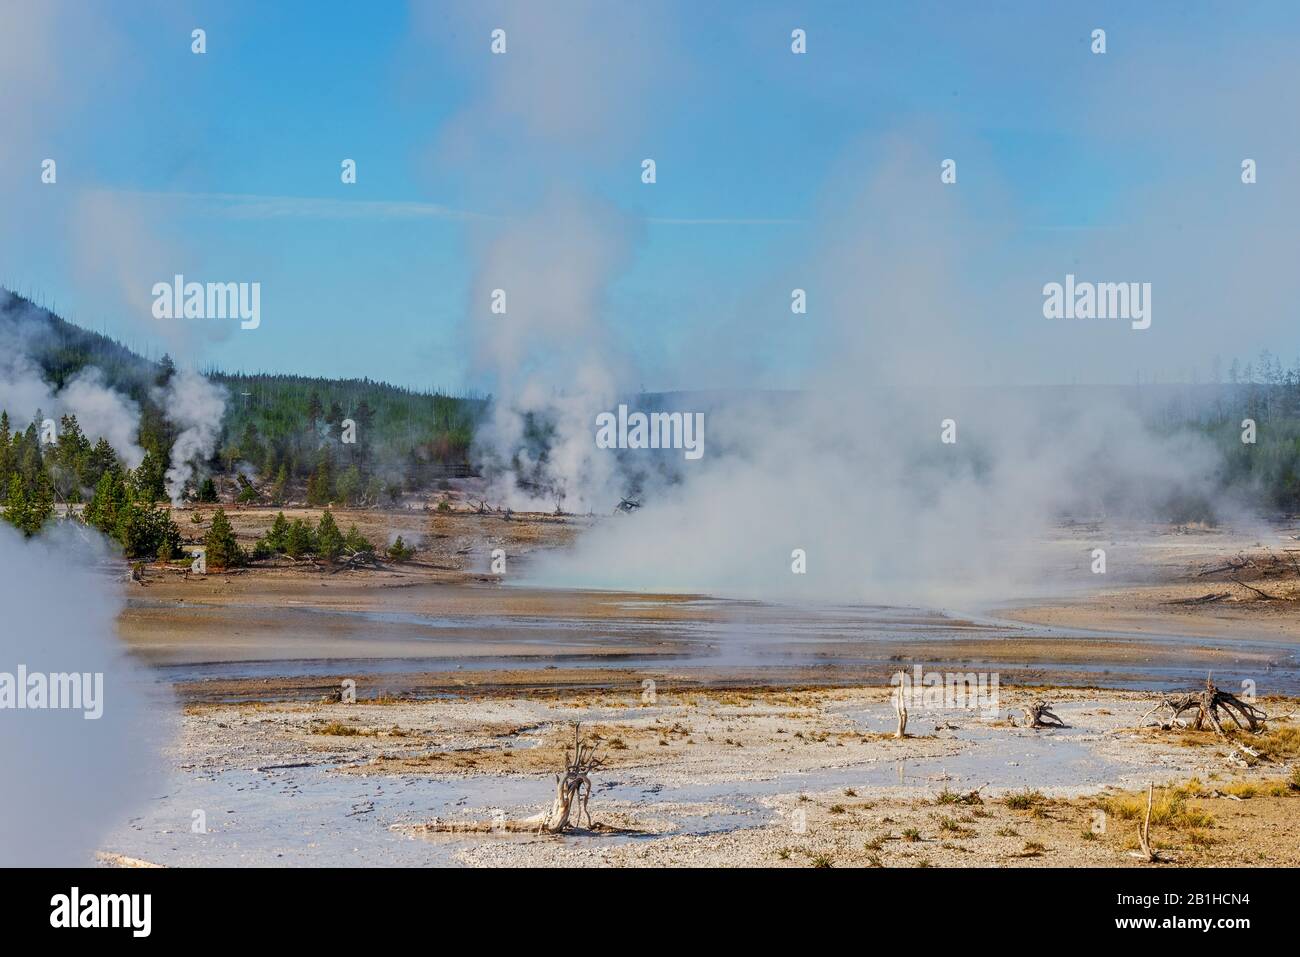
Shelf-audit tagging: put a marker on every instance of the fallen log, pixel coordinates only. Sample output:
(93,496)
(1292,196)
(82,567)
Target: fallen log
(1231,566)
(1202,599)
(357,560)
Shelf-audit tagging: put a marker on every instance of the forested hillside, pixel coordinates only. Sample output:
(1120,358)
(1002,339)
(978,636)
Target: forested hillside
(276,437)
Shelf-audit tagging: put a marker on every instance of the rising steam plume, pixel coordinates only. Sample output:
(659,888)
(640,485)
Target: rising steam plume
(102,412)
(196,405)
(70,780)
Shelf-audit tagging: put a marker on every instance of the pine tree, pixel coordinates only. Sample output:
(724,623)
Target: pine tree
(149,478)
(320,486)
(6,455)
(329,541)
(314,410)
(40,508)
(30,461)
(334,418)
(223,549)
(298,539)
(102,459)
(250,444)
(357,543)
(166,369)
(348,486)
(107,503)
(146,532)
(66,460)
(281,486)
(399,551)
(363,415)
(16,511)
(278,534)
(71,444)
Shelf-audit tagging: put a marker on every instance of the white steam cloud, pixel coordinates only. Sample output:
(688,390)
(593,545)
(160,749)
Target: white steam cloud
(69,780)
(102,412)
(883,510)
(548,355)
(549,361)
(852,471)
(197,406)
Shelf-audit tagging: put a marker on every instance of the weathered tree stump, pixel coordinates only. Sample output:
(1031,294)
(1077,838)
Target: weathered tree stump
(1212,706)
(573,784)
(1040,715)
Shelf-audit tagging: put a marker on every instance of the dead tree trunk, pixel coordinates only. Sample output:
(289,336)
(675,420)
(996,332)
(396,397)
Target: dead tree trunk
(574,784)
(1147,852)
(900,706)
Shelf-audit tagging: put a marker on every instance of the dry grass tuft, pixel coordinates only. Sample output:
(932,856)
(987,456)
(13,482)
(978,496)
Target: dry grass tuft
(1169,809)
(1024,800)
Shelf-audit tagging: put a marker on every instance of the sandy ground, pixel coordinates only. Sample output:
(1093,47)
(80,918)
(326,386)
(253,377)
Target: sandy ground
(468,691)
(1199,583)
(732,778)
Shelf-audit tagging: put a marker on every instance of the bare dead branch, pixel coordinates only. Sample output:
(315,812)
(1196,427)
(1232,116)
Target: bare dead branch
(1262,594)
(1147,852)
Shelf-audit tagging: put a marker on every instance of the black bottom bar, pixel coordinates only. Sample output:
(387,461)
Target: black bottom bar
(333,906)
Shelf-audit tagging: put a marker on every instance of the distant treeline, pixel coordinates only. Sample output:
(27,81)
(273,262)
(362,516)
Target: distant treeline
(1266,472)
(359,442)
(282,436)
(352,441)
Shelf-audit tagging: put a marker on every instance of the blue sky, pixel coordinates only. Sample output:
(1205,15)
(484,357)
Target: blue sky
(225,166)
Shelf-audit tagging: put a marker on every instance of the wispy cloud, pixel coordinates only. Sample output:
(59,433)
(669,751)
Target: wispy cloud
(255,206)
(724,221)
